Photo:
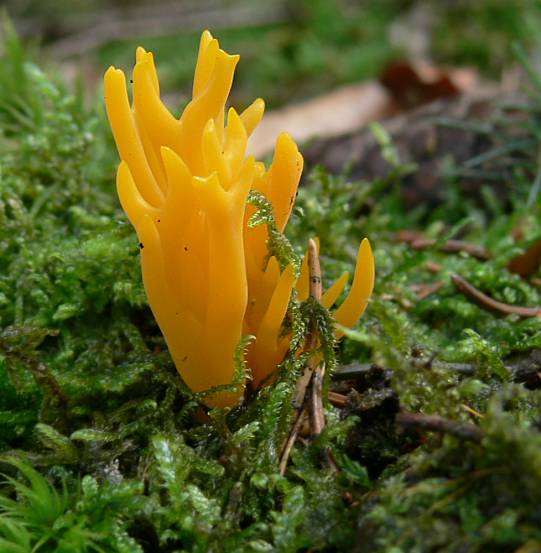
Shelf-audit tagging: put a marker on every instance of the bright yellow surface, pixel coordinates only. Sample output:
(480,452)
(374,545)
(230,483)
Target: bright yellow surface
(184,183)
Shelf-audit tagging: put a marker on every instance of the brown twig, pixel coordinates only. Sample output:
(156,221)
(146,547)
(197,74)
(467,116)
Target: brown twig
(290,442)
(318,414)
(316,392)
(435,423)
(453,246)
(302,385)
(316,290)
(309,390)
(526,370)
(490,303)
(311,343)
(338,400)
(408,236)
(417,242)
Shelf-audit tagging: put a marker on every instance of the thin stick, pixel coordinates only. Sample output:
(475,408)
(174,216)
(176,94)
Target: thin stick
(316,395)
(292,438)
(316,401)
(453,246)
(418,242)
(316,290)
(435,423)
(490,303)
(302,385)
(310,384)
(311,343)
(338,400)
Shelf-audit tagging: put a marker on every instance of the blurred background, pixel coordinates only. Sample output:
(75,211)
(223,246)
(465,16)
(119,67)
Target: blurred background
(372,57)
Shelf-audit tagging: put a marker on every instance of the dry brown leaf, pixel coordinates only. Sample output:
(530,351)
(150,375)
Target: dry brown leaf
(527,263)
(414,83)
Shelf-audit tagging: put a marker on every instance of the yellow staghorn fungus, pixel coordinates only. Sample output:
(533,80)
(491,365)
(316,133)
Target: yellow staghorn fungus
(184,185)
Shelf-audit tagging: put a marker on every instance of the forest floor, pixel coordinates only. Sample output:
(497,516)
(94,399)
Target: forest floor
(432,403)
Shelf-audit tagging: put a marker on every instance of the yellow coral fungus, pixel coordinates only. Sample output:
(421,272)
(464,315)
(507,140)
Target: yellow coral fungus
(184,184)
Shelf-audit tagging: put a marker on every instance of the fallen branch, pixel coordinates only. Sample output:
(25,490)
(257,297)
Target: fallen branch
(338,400)
(316,392)
(312,341)
(435,423)
(490,303)
(416,240)
(453,246)
(309,391)
(290,442)
(525,370)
